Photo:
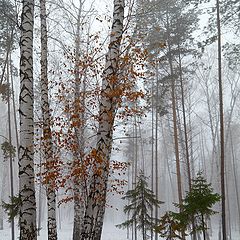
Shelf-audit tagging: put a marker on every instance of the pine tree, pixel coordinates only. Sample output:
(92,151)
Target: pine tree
(142,201)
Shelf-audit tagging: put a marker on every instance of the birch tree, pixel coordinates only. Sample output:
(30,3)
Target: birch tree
(47,133)
(95,206)
(27,216)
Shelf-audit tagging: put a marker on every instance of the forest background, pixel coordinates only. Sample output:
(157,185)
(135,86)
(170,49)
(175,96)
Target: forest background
(107,90)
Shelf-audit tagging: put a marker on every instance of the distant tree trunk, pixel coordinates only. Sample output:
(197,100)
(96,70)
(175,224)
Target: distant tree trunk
(229,229)
(143,222)
(6,60)
(27,216)
(185,135)
(236,186)
(4,189)
(152,155)
(184,120)
(135,169)
(179,181)
(203,224)
(14,106)
(95,205)
(10,143)
(222,164)
(47,132)
(175,130)
(142,163)
(79,105)
(133,175)
(3,192)
(1,215)
(165,147)
(213,132)
(128,180)
(228,120)
(39,221)
(156,147)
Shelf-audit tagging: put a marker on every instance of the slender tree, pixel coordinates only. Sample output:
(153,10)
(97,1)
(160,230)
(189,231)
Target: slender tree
(47,132)
(27,217)
(156,149)
(79,106)
(10,143)
(236,185)
(222,157)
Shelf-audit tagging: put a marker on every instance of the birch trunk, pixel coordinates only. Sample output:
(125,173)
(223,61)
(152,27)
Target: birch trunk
(47,133)
(27,216)
(95,206)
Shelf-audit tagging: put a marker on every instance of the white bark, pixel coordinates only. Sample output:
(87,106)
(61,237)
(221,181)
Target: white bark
(27,217)
(47,133)
(95,206)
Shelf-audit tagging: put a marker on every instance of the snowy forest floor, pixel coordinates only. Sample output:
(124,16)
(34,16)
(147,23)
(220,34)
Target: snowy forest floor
(110,232)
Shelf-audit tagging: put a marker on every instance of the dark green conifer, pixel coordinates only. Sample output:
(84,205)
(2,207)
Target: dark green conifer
(198,205)
(142,201)
(200,201)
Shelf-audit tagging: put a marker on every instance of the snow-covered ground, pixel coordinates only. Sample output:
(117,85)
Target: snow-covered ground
(110,232)
(113,216)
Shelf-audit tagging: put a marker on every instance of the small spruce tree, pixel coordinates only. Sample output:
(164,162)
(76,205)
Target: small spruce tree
(142,201)
(199,202)
(197,205)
